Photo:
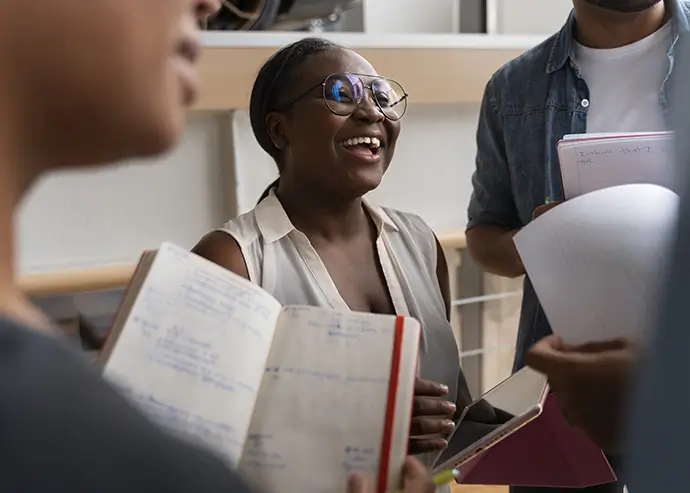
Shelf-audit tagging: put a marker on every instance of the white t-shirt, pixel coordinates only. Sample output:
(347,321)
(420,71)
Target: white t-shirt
(624,83)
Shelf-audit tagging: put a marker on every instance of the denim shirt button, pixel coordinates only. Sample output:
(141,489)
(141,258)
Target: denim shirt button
(585,103)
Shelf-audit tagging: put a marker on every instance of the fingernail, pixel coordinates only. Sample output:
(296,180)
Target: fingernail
(450,406)
(443,387)
(449,424)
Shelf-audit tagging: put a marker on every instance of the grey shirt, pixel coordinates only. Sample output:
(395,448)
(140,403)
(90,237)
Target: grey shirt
(64,429)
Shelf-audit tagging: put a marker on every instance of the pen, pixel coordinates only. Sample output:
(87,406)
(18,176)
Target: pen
(445,477)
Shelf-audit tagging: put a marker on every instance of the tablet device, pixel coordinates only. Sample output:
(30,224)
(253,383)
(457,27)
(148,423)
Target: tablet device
(495,415)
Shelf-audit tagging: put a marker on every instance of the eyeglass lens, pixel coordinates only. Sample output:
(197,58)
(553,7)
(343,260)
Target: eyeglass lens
(343,92)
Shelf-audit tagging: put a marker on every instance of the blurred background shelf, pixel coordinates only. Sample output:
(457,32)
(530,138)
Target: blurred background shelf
(433,68)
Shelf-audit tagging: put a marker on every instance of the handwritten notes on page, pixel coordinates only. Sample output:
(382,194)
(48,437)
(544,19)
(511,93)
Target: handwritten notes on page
(594,161)
(322,405)
(192,352)
(597,262)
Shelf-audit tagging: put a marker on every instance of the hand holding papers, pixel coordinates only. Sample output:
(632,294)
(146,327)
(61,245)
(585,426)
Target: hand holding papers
(596,261)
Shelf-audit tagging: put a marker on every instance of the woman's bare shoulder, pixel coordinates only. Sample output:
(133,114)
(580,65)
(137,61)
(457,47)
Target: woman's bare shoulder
(222,249)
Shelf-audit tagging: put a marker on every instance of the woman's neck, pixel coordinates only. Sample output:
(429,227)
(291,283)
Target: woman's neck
(322,214)
(605,29)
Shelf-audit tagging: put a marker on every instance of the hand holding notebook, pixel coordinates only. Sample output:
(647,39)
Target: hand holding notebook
(295,397)
(432,417)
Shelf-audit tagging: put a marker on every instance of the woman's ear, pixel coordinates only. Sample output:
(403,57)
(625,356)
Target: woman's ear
(275,126)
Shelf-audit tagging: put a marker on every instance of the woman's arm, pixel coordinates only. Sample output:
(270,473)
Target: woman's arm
(222,249)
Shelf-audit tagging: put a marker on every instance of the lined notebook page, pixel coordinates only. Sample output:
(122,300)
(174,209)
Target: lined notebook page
(321,409)
(597,262)
(193,349)
(599,161)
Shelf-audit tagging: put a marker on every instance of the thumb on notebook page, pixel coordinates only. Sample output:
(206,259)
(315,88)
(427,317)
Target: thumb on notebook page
(358,483)
(416,479)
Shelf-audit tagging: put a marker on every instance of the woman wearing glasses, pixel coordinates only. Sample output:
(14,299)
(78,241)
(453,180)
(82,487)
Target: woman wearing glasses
(331,124)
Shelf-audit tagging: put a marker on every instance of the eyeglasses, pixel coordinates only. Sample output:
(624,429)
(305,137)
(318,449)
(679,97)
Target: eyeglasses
(344,92)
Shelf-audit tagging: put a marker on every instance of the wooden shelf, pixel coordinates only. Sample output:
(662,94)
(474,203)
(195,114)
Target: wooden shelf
(434,69)
(79,281)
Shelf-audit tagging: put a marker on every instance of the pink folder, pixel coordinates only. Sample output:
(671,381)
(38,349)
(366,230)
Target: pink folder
(548,451)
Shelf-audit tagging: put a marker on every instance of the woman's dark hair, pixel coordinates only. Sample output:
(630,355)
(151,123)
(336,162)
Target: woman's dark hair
(273,85)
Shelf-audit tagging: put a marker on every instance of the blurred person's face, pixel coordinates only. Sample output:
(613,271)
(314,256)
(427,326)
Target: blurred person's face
(98,80)
(625,6)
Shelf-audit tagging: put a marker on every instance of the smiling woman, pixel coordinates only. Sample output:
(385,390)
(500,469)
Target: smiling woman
(331,123)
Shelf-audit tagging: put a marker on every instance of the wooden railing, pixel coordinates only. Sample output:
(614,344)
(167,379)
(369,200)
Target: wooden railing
(94,279)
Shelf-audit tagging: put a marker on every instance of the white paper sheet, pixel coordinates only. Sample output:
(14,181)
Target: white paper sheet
(597,261)
(322,406)
(192,353)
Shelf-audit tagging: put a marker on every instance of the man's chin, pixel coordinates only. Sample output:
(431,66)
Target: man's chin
(625,6)
(158,136)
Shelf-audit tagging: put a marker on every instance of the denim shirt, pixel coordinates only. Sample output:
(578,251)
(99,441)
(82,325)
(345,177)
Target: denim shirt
(528,106)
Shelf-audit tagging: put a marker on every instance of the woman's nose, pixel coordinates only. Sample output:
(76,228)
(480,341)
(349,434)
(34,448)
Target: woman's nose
(367,109)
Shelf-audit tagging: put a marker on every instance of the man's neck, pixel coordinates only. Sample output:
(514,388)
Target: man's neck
(605,29)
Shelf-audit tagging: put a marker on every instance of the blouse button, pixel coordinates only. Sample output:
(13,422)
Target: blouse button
(585,103)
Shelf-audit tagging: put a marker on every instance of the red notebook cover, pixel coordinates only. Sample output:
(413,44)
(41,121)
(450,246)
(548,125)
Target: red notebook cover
(388,428)
(547,452)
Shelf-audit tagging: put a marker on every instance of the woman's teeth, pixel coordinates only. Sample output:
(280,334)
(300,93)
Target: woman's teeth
(372,142)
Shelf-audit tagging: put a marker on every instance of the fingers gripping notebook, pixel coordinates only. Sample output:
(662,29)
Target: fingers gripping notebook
(295,397)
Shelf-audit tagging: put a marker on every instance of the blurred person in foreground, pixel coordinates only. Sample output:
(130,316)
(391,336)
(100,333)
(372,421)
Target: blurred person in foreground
(81,84)
(617,386)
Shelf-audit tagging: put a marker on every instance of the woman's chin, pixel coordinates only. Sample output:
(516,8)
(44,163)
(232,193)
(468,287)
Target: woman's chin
(363,183)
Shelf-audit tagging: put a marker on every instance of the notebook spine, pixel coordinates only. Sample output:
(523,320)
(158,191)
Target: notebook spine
(109,333)
(389,424)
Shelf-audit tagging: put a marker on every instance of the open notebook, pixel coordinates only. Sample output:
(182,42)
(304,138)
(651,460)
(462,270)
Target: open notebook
(295,397)
(590,162)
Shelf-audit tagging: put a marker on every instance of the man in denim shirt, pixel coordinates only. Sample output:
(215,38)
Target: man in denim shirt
(609,69)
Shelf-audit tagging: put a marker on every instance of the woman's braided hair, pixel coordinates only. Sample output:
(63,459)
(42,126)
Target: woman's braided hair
(273,86)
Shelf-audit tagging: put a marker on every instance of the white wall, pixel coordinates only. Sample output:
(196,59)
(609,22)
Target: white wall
(411,16)
(430,174)
(107,216)
(528,16)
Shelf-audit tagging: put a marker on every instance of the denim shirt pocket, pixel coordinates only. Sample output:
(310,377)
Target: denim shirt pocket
(531,135)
